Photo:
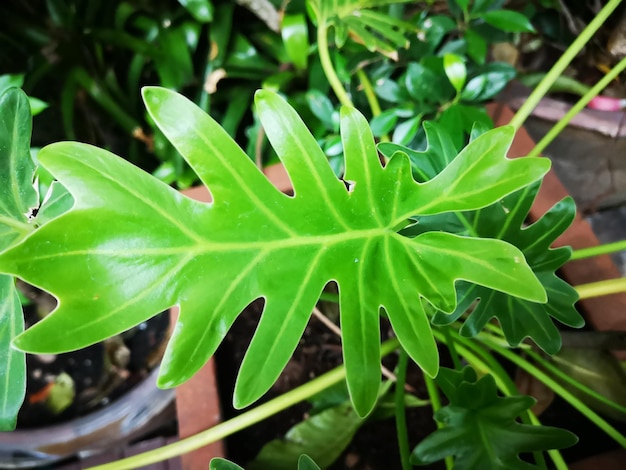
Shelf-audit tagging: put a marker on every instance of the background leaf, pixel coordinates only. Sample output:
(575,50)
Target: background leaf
(518,318)
(480,428)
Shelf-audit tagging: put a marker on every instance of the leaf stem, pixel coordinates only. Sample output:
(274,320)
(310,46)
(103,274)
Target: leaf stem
(240,422)
(372,100)
(327,66)
(600,288)
(401,429)
(574,110)
(598,250)
(559,67)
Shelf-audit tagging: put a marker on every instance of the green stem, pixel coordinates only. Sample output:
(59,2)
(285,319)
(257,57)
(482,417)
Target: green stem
(582,102)
(559,390)
(600,288)
(240,422)
(327,65)
(598,250)
(372,100)
(401,429)
(435,401)
(559,67)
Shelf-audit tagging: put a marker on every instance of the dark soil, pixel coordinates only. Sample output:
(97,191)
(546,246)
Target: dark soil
(375,445)
(98,374)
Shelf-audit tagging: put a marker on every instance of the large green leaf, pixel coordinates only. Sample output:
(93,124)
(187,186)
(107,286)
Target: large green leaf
(137,247)
(480,428)
(17,197)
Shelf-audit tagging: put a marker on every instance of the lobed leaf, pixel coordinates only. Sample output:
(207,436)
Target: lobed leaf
(138,247)
(518,318)
(480,428)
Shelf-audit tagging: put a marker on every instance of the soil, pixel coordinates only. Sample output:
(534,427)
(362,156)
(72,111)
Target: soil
(375,446)
(89,378)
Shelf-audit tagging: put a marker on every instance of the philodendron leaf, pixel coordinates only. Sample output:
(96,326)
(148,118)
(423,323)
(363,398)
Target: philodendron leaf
(480,428)
(519,318)
(138,247)
(17,197)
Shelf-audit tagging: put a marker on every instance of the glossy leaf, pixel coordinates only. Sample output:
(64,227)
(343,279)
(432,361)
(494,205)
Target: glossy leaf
(508,20)
(323,436)
(306,463)
(139,247)
(455,71)
(488,83)
(201,10)
(481,429)
(219,463)
(295,35)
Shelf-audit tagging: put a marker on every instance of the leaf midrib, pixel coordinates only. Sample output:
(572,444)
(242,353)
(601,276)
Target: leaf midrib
(209,246)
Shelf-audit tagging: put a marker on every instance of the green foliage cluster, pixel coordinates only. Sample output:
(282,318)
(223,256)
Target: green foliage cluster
(415,227)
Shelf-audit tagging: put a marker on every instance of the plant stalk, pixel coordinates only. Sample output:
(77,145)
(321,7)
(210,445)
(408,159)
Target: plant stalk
(327,66)
(600,288)
(240,422)
(559,67)
(605,249)
(401,429)
(574,110)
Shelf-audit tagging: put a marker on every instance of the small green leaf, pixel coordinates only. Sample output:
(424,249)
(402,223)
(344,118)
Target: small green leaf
(508,20)
(219,463)
(480,428)
(306,463)
(489,82)
(139,247)
(201,10)
(295,35)
(384,122)
(455,70)
(323,436)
